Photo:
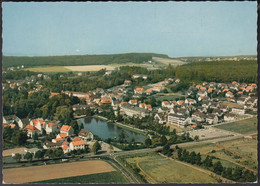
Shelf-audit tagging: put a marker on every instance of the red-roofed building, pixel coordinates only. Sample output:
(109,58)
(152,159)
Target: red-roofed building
(139,90)
(31,130)
(105,100)
(75,145)
(38,123)
(65,147)
(133,102)
(51,127)
(66,129)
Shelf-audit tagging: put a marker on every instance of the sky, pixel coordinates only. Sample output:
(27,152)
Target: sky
(177,29)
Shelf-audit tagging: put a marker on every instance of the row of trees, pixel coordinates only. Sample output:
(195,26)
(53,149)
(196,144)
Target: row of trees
(236,174)
(9,61)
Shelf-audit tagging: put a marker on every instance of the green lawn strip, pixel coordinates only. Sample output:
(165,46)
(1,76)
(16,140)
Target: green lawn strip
(168,171)
(108,177)
(244,127)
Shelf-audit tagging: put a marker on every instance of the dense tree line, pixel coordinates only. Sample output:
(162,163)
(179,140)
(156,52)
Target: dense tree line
(9,61)
(237,174)
(17,75)
(219,71)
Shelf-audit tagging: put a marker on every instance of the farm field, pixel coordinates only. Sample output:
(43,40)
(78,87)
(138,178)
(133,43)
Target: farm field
(167,61)
(48,69)
(246,126)
(10,151)
(108,177)
(239,152)
(47,172)
(161,170)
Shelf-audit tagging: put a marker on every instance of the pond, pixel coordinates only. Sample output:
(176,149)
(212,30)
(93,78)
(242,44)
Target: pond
(107,130)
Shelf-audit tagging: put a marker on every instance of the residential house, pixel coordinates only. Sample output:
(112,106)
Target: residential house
(202,93)
(31,130)
(79,107)
(65,147)
(57,140)
(51,145)
(224,108)
(238,110)
(127,83)
(133,102)
(75,145)
(202,109)
(86,135)
(105,100)
(241,101)
(214,105)
(167,104)
(148,92)
(217,112)
(211,119)
(206,104)
(157,89)
(190,101)
(180,102)
(161,118)
(198,116)
(23,122)
(66,129)
(230,117)
(38,123)
(52,127)
(139,90)
(11,119)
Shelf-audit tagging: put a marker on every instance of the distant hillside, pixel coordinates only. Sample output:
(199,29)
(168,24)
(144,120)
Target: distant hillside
(70,60)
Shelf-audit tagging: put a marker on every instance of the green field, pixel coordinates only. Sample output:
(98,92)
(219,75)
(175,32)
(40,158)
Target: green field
(168,171)
(244,127)
(239,152)
(109,177)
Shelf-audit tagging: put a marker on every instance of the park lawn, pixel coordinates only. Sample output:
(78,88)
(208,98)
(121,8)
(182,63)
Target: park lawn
(49,69)
(168,171)
(108,177)
(202,148)
(244,127)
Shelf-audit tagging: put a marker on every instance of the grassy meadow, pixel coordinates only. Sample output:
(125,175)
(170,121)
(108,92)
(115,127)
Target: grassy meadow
(246,126)
(108,177)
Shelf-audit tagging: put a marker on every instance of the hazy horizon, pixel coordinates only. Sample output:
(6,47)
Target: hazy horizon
(177,29)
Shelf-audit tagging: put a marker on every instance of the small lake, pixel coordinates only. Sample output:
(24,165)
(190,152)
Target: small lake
(107,130)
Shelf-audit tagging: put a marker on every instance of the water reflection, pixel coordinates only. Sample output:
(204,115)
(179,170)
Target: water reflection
(109,130)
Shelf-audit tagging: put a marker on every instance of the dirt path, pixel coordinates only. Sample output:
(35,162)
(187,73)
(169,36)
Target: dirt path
(47,172)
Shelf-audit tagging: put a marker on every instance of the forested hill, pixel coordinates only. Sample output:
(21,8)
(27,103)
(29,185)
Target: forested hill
(72,60)
(219,71)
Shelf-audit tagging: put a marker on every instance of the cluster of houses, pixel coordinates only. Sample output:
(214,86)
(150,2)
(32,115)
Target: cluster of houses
(63,137)
(68,141)
(205,109)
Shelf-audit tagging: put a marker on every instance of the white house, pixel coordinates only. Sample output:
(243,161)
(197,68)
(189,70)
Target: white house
(238,110)
(230,117)
(75,145)
(211,119)
(38,123)
(198,116)
(161,118)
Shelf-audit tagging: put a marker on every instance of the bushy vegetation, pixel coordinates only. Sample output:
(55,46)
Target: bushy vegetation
(237,174)
(9,61)
(219,71)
